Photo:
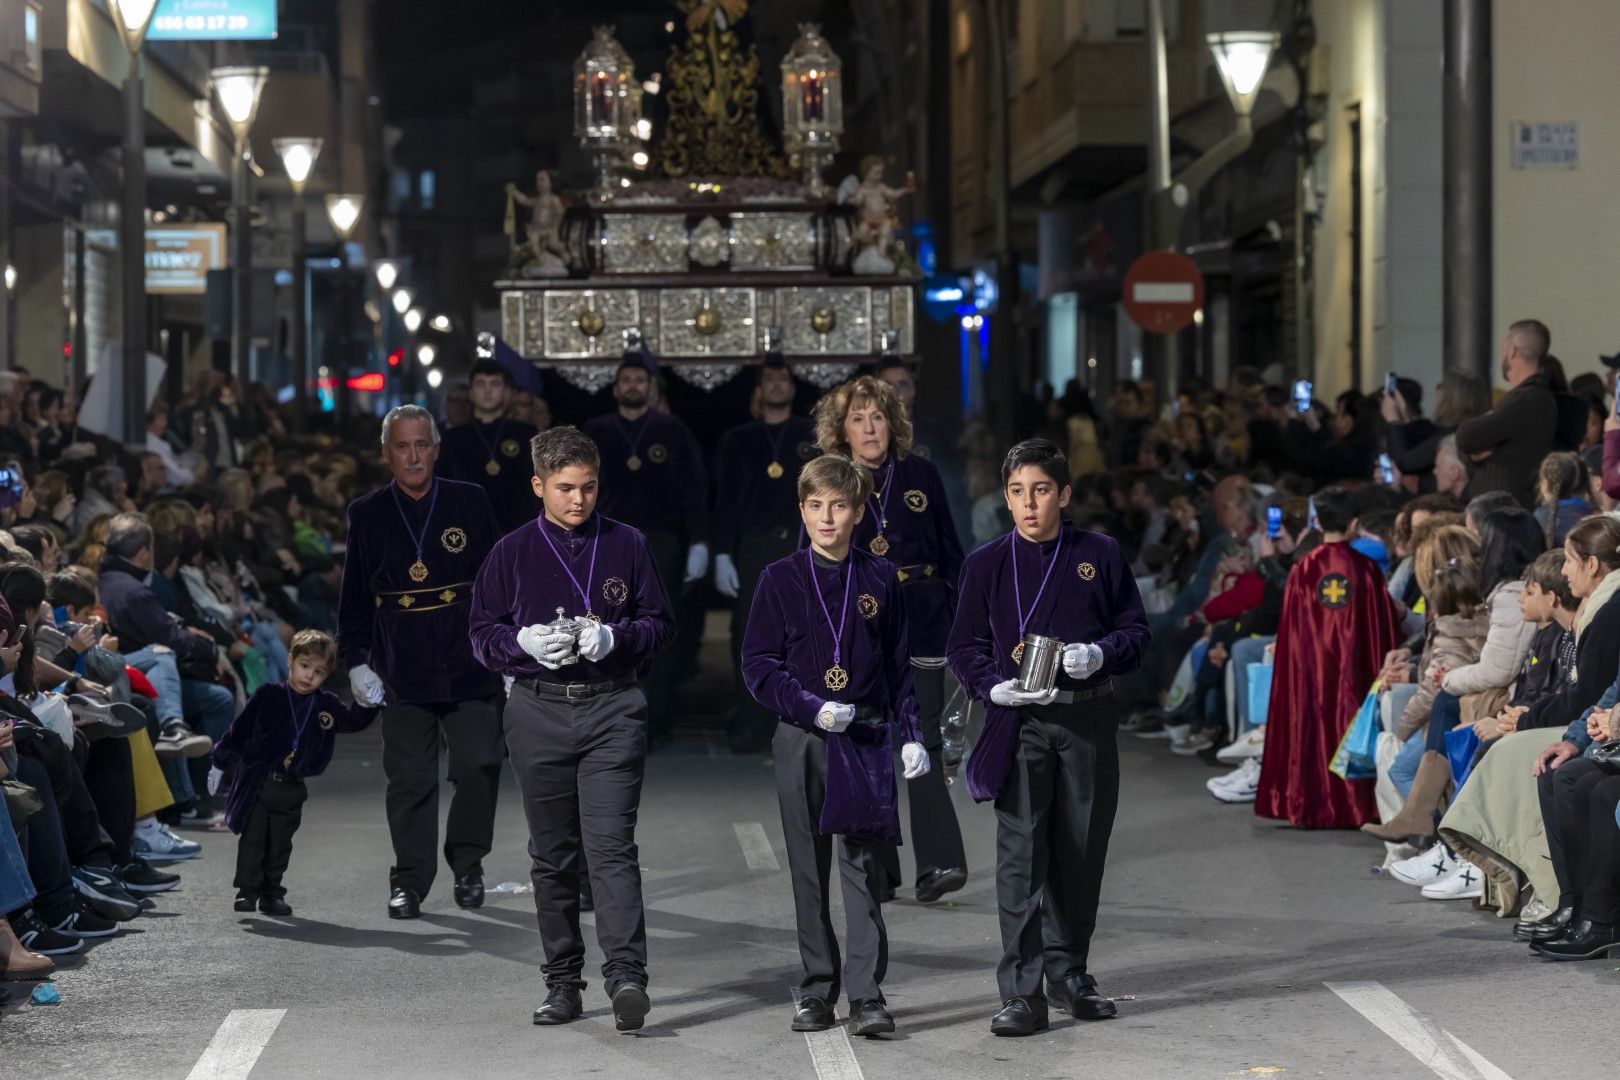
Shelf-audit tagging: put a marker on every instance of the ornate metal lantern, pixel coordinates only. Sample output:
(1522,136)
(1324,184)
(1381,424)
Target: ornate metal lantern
(812,105)
(607,104)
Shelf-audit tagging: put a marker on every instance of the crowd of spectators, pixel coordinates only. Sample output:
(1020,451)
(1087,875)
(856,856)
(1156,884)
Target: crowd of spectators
(1491,732)
(144,595)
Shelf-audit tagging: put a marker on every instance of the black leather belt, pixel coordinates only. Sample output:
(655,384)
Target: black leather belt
(285,777)
(870,716)
(575,691)
(1073,697)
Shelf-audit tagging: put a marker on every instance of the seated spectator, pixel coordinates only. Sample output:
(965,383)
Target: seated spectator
(1561,496)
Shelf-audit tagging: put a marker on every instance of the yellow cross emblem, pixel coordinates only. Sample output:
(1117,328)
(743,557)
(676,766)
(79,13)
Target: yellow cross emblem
(1333,591)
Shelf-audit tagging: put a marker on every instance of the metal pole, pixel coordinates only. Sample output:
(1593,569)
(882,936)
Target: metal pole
(81,333)
(132,256)
(1161,219)
(1158,147)
(242,261)
(297,332)
(1466,171)
(1001,381)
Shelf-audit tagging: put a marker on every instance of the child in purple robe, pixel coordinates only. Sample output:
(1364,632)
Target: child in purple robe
(826,650)
(283,736)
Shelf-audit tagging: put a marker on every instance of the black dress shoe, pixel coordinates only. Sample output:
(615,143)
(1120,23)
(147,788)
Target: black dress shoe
(1543,929)
(1077,995)
(404,904)
(246,901)
(1585,940)
(1019,1016)
(470,890)
(630,1006)
(813,1014)
(561,1006)
(936,883)
(274,905)
(869,1018)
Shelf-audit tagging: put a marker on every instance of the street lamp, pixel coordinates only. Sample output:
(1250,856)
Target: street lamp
(427,354)
(1242,58)
(298,158)
(238,89)
(413,320)
(387,271)
(440,323)
(434,378)
(132,17)
(401,301)
(343,211)
(11,316)
(343,214)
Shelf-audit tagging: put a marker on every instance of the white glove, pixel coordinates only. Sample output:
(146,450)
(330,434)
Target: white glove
(595,641)
(215,776)
(1081,661)
(835,716)
(915,758)
(556,649)
(697,561)
(1008,696)
(726,582)
(533,639)
(365,685)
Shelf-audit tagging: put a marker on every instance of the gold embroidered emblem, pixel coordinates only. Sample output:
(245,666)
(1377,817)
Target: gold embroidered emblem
(916,501)
(406,601)
(454,540)
(378,599)
(1333,591)
(510,448)
(448,596)
(615,591)
(867,605)
(1086,571)
(327,721)
(657,454)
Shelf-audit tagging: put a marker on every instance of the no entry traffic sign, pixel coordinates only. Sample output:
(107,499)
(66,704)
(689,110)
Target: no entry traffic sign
(1163,291)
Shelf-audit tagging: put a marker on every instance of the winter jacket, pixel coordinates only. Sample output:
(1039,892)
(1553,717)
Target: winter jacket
(139,619)
(1453,641)
(1506,645)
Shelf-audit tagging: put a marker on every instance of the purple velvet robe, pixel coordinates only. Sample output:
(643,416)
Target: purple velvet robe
(414,633)
(669,492)
(786,652)
(523,583)
(923,545)
(1091,597)
(260,740)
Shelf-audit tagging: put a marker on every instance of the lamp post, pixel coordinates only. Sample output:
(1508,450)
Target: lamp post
(11,316)
(387,272)
(298,159)
(1242,58)
(238,89)
(343,213)
(132,17)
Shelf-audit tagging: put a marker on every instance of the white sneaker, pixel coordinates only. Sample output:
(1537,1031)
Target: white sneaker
(1192,743)
(1465,883)
(1238,786)
(1248,745)
(1427,868)
(155,842)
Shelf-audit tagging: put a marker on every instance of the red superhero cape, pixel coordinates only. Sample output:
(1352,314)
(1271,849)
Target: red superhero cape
(1338,621)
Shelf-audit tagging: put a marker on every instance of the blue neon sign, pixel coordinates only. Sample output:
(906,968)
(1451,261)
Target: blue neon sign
(213,20)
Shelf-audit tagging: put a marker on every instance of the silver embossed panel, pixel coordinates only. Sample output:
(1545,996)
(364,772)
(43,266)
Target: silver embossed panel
(643,243)
(902,303)
(773,241)
(706,322)
(512,320)
(571,314)
(834,320)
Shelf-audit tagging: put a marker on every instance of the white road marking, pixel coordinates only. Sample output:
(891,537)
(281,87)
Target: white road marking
(237,1045)
(832,1055)
(756,846)
(1446,1055)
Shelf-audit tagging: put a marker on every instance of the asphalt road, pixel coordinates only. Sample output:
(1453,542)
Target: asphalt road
(1223,932)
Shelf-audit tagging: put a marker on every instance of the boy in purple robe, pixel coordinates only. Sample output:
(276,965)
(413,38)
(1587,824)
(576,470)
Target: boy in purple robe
(284,736)
(1047,758)
(826,650)
(576,716)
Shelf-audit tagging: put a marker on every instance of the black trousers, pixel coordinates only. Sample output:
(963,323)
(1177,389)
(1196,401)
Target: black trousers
(801,787)
(1566,795)
(1053,821)
(752,724)
(579,768)
(936,837)
(1600,892)
(669,556)
(265,846)
(87,842)
(44,845)
(109,777)
(471,734)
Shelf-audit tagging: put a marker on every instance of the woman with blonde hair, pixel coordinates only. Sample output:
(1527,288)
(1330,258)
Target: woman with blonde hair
(908,522)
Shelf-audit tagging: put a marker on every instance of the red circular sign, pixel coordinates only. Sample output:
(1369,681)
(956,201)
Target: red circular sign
(1163,291)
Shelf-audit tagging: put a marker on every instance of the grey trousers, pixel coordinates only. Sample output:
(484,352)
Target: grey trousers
(579,769)
(801,787)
